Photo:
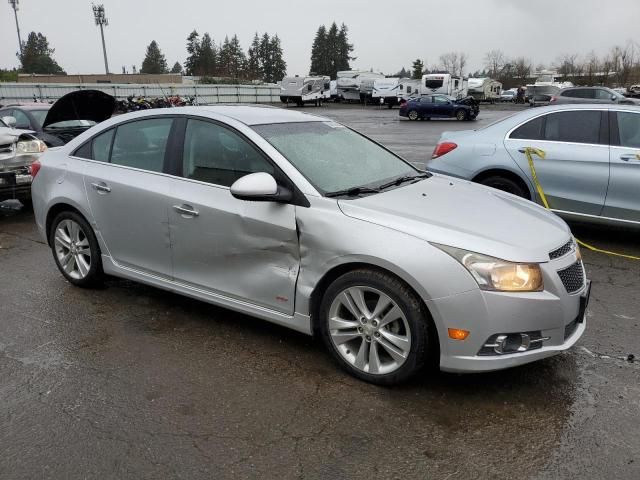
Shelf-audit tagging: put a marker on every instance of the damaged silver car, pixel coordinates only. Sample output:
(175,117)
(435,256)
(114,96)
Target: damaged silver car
(306,223)
(18,150)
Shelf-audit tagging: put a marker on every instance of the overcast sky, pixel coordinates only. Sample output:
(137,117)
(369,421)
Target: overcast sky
(387,34)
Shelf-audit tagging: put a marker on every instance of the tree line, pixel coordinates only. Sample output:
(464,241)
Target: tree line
(331,51)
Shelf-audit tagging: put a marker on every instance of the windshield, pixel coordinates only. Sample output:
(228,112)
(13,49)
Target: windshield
(333,157)
(39,115)
(2,124)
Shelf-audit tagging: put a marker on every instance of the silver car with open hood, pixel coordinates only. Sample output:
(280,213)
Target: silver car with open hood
(304,222)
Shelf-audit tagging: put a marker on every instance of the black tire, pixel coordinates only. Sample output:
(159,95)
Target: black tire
(95,275)
(424,344)
(414,115)
(461,115)
(506,185)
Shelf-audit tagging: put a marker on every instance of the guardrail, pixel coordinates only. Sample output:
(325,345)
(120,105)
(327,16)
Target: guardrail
(203,94)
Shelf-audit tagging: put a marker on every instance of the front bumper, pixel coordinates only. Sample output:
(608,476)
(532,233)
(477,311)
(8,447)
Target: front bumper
(551,312)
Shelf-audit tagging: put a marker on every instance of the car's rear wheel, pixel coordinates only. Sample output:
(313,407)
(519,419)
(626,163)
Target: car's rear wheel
(413,115)
(506,185)
(461,115)
(75,249)
(375,327)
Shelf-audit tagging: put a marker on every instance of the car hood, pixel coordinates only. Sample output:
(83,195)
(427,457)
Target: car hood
(81,105)
(461,214)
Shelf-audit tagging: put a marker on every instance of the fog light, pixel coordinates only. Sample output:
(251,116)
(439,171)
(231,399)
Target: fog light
(513,343)
(458,334)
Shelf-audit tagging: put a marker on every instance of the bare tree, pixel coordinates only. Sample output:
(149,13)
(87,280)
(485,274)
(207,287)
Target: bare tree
(462,63)
(567,66)
(591,68)
(494,62)
(449,62)
(521,67)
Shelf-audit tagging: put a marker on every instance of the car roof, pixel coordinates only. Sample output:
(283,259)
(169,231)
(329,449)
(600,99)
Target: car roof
(585,88)
(257,114)
(29,106)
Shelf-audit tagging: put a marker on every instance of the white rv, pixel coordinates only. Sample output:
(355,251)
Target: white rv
(349,82)
(445,84)
(301,90)
(485,89)
(408,88)
(385,90)
(333,90)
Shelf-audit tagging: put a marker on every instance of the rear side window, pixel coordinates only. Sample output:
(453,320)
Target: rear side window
(142,144)
(603,94)
(577,127)
(101,146)
(629,129)
(532,130)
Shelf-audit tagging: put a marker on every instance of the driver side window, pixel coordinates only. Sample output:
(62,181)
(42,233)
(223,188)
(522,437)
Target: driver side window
(217,155)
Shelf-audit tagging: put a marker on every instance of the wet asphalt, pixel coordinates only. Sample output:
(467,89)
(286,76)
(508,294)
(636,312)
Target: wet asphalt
(132,382)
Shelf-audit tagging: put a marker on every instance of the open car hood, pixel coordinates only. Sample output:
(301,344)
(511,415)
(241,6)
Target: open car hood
(81,105)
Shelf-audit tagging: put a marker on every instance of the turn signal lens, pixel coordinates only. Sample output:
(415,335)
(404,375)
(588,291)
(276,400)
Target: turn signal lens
(458,334)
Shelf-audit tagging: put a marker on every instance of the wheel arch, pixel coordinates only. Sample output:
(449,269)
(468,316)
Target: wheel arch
(55,210)
(502,172)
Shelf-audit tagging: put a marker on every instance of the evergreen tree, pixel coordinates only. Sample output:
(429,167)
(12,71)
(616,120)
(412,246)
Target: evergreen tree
(318,53)
(177,68)
(254,63)
(236,59)
(418,67)
(331,50)
(265,55)
(191,66)
(37,56)
(154,61)
(278,65)
(207,57)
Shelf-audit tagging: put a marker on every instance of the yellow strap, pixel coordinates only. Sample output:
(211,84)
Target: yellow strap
(530,152)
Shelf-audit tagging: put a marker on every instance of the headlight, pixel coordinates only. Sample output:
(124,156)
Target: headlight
(30,146)
(498,275)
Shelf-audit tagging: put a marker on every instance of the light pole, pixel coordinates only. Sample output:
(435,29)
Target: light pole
(14,5)
(101,21)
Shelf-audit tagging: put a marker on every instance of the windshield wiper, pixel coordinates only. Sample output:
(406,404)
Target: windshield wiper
(404,179)
(352,192)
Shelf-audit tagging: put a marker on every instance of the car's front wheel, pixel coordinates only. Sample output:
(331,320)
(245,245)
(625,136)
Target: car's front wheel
(75,249)
(461,115)
(375,326)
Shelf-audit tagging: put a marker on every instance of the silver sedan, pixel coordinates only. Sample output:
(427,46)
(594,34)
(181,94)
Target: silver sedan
(591,170)
(303,222)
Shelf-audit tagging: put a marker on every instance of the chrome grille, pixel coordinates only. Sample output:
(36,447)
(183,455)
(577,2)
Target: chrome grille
(562,251)
(572,277)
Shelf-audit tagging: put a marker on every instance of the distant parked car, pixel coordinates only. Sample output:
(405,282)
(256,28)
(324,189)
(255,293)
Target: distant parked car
(18,150)
(440,106)
(592,95)
(592,166)
(67,118)
(508,96)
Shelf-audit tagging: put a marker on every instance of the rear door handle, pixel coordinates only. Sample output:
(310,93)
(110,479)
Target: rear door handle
(630,157)
(101,187)
(186,210)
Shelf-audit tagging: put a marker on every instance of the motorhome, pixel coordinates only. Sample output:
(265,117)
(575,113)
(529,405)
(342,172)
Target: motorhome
(301,90)
(333,90)
(349,82)
(444,83)
(385,91)
(485,89)
(408,88)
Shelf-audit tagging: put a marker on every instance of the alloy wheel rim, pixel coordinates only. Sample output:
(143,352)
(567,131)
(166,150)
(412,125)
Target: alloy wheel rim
(413,115)
(72,249)
(369,330)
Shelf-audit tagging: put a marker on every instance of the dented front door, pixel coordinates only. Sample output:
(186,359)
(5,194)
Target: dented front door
(244,250)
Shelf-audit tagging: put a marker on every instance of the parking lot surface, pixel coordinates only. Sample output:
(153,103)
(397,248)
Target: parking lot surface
(133,382)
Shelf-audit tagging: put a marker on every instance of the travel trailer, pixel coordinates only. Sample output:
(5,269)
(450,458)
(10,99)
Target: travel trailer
(385,91)
(485,89)
(301,90)
(444,83)
(349,82)
(408,88)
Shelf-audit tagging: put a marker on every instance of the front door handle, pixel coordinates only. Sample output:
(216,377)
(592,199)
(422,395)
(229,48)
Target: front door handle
(186,210)
(101,187)
(630,157)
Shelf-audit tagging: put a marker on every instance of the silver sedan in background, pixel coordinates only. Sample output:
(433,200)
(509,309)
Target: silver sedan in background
(592,166)
(306,223)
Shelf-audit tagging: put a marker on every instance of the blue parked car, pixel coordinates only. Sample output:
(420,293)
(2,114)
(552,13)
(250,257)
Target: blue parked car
(440,106)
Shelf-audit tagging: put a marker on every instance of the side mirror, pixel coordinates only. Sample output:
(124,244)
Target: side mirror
(259,187)
(10,121)
(614,98)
